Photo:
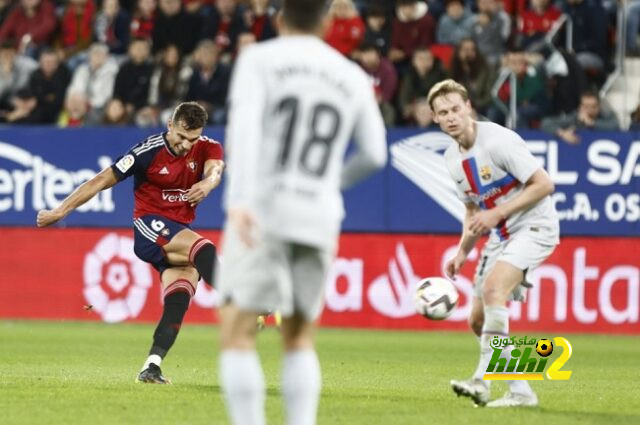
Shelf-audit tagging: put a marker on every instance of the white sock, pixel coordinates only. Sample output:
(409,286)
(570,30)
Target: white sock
(301,383)
(486,383)
(516,386)
(153,358)
(496,322)
(242,382)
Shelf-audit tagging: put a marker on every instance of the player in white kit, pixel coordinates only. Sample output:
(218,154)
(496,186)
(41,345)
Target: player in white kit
(505,191)
(294,105)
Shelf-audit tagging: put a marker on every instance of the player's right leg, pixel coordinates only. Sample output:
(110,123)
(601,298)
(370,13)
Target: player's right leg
(475,387)
(301,376)
(241,375)
(179,285)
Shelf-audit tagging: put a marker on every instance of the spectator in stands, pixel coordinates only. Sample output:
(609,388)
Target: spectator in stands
(589,34)
(15,71)
(115,114)
(259,20)
(168,86)
(49,84)
(32,23)
(531,96)
(384,78)
(491,30)
(134,76)
(345,30)
(75,110)
(589,116)
(455,24)
(24,109)
(412,27)
(209,81)
(76,29)
(422,116)
(224,26)
(378,29)
(633,27)
(566,80)
(469,68)
(424,73)
(6,6)
(535,22)
(95,80)
(175,26)
(143,19)
(112,26)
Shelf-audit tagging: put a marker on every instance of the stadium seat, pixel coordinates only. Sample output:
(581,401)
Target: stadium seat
(444,52)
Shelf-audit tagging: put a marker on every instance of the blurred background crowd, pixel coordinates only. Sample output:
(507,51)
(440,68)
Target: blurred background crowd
(527,63)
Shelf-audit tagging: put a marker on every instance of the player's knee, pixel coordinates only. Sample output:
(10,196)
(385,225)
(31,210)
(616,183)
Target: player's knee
(492,294)
(203,258)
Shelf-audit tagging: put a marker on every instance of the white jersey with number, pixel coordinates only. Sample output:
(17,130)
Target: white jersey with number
(494,171)
(294,105)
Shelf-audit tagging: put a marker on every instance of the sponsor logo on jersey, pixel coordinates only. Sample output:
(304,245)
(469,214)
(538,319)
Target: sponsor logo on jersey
(164,170)
(125,163)
(174,195)
(485,172)
(484,196)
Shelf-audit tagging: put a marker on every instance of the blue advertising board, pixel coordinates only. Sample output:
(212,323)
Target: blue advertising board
(597,182)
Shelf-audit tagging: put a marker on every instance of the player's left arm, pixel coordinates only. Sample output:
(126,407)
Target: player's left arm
(211,177)
(537,187)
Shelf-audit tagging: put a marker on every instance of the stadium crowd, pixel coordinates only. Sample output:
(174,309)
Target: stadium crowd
(121,62)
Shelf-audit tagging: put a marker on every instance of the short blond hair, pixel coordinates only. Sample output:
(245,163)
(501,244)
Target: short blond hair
(444,88)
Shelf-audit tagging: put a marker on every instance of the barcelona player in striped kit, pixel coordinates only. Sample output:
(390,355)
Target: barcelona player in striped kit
(173,172)
(505,192)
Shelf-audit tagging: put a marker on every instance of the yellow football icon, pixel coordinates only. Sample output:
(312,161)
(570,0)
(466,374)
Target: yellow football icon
(544,347)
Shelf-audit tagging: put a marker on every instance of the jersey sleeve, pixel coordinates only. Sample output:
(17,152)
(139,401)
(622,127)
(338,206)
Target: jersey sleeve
(127,165)
(212,150)
(370,137)
(515,158)
(247,98)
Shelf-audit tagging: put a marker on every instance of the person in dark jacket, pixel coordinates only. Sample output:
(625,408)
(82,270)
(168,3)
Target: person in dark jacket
(132,81)
(424,73)
(209,81)
(49,84)
(173,25)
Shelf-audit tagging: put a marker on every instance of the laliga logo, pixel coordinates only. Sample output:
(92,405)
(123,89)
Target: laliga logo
(116,282)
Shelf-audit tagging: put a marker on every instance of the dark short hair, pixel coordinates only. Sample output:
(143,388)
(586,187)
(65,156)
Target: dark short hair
(191,115)
(304,15)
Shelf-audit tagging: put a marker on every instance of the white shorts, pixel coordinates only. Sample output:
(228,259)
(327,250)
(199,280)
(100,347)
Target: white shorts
(526,249)
(273,275)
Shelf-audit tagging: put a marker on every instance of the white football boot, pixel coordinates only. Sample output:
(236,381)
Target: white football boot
(515,400)
(476,389)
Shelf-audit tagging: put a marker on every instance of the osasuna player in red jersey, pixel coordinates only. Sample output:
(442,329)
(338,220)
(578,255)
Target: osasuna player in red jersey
(173,172)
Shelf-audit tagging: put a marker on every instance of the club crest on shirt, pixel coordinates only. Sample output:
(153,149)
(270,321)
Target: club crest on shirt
(192,166)
(485,172)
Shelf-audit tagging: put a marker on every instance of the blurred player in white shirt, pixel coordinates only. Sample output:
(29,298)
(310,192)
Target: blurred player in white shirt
(505,191)
(294,105)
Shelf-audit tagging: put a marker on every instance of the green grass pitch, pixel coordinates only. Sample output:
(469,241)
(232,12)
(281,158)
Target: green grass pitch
(83,373)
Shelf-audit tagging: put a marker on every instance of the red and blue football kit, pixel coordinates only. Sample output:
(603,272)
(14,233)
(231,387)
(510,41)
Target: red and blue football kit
(161,182)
